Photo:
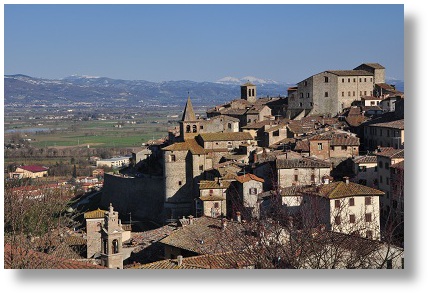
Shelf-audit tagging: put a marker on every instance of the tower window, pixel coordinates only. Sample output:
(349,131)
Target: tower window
(194,128)
(326,94)
(326,79)
(188,129)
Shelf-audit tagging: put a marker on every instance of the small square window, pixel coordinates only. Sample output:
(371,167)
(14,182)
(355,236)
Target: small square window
(337,203)
(368,217)
(337,220)
(351,202)
(352,218)
(368,200)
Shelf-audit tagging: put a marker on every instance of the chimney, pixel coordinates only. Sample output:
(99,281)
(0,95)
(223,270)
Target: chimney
(190,219)
(179,260)
(238,216)
(346,178)
(223,223)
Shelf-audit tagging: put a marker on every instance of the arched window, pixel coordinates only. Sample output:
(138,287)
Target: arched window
(250,92)
(115,248)
(194,128)
(188,129)
(253,92)
(229,126)
(105,246)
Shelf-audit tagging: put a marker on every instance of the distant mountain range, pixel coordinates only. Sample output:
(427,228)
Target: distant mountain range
(23,89)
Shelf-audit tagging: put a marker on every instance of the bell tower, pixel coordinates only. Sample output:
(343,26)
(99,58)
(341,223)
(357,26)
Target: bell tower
(112,256)
(189,124)
(248,92)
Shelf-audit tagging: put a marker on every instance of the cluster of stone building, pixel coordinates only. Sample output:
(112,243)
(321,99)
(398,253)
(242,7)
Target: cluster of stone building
(330,154)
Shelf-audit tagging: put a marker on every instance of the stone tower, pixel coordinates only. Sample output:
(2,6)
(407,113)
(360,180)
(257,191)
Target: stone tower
(189,124)
(112,256)
(248,92)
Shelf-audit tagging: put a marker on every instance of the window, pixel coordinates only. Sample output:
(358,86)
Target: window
(344,147)
(337,220)
(216,205)
(326,79)
(360,79)
(180,183)
(172,158)
(201,127)
(349,93)
(368,200)
(372,102)
(253,92)
(229,126)
(253,191)
(250,92)
(343,94)
(295,177)
(351,202)
(349,80)
(326,94)
(301,95)
(352,218)
(276,133)
(188,129)
(389,264)
(337,203)
(211,192)
(194,128)
(301,104)
(305,83)
(371,80)
(201,167)
(369,234)
(313,178)
(353,93)
(320,146)
(343,80)
(353,79)
(308,95)
(368,217)
(114,246)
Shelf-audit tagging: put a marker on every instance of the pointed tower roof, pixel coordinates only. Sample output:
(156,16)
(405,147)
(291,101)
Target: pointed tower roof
(188,113)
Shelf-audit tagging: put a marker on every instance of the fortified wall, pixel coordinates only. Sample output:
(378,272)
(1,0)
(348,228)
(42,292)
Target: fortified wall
(143,196)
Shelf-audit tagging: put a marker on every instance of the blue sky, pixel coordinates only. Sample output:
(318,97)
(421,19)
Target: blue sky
(285,43)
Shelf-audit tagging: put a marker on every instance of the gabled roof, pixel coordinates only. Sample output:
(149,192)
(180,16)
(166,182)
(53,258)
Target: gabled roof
(342,189)
(188,145)
(373,65)
(214,184)
(248,177)
(399,124)
(365,159)
(228,260)
(211,198)
(95,214)
(34,168)
(390,152)
(188,112)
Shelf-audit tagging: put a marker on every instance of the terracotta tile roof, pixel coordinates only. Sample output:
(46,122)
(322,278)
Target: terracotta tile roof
(365,159)
(226,136)
(292,191)
(399,124)
(213,184)
(211,198)
(188,112)
(255,109)
(248,177)
(304,162)
(350,72)
(337,138)
(342,189)
(374,65)
(95,214)
(206,236)
(274,128)
(224,117)
(302,146)
(390,152)
(34,168)
(233,111)
(398,165)
(188,145)
(299,128)
(229,260)
(18,258)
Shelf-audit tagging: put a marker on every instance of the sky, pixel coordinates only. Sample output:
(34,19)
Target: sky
(282,42)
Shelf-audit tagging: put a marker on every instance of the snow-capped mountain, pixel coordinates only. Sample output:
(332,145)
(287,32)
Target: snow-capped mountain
(252,79)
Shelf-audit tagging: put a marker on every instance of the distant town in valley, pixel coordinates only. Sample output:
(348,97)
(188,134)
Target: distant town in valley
(235,174)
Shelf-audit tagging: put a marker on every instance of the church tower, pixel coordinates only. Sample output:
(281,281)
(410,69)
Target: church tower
(248,92)
(189,124)
(112,256)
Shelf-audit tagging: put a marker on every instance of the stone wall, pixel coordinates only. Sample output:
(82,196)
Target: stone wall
(143,197)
